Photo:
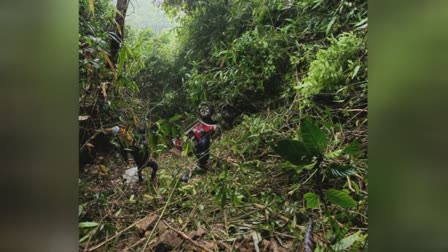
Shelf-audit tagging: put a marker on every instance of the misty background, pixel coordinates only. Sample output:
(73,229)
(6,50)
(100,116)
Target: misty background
(144,14)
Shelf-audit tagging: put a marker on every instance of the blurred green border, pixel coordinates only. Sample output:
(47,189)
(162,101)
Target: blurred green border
(39,125)
(407,160)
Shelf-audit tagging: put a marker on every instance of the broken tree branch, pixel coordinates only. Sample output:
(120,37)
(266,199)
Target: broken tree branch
(183,235)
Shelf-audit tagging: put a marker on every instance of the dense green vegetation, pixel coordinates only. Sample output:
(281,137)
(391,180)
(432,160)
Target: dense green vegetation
(294,75)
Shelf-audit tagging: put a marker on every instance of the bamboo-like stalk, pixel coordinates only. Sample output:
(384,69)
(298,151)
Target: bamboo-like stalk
(161,215)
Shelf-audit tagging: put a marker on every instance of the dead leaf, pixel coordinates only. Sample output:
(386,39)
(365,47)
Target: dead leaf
(259,206)
(219,230)
(274,245)
(167,241)
(83,117)
(283,218)
(161,227)
(104,86)
(109,61)
(265,245)
(92,7)
(102,169)
(148,196)
(286,246)
(210,245)
(223,245)
(198,233)
(176,152)
(146,223)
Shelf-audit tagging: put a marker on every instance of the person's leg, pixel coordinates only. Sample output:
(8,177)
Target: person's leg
(125,155)
(203,160)
(139,163)
(153,164)
(198,155)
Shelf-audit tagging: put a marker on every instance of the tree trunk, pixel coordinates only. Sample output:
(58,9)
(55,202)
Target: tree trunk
(118,36)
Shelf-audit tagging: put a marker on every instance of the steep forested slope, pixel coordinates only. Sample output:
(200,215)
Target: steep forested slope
(288,81)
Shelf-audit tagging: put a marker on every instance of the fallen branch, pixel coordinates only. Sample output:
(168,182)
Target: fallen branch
(183,235)
(137,243)
(353,110)
(92,137)
(308,237)
(116,235)
(99,223)
(124,230)
(161,215)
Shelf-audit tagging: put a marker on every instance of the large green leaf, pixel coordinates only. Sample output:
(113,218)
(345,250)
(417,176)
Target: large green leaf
(313,137)
(346,243)
(152,140)
(330,24)
(312,200)
(359,244)
(88,224)
(340,198)
(334,154)
(187,148)
(175,118)
(341,170)
(174,131)
(84,237)
(352,149)
(293,151)
(80,209)
(291,166)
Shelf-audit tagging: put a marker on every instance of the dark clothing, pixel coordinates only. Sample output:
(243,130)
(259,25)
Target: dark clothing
(142,159)
(203,144)
(137,147)
(202,149)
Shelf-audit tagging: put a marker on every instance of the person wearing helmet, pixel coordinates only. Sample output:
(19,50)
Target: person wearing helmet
(202,149)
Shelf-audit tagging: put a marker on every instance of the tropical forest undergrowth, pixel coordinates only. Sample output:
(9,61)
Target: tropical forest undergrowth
(288,168)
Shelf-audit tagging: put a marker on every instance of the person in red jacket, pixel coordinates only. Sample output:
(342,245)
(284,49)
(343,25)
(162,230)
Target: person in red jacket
(200,134)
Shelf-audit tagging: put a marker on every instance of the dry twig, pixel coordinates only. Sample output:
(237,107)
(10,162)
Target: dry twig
(184,236)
